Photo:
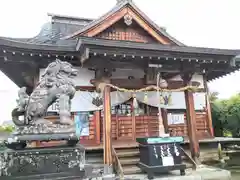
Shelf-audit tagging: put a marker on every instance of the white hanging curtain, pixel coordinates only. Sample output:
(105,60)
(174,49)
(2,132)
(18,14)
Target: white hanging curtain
(82,101)
(118,97)
(177,100)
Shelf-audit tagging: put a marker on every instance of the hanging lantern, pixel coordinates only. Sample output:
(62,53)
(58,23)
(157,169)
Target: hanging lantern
(145,99)
(161,99)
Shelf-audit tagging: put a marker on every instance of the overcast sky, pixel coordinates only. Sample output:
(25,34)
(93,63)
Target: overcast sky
(206,23)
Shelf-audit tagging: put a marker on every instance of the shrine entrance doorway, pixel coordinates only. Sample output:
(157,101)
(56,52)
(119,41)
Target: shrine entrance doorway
(128,123)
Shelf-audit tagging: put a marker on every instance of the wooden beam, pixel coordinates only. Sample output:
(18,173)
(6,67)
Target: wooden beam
(169,75)
(107,127)
(97,116)
(102,75)
(191,118)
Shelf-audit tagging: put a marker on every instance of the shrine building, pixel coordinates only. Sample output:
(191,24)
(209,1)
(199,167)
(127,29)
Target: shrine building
(127,50)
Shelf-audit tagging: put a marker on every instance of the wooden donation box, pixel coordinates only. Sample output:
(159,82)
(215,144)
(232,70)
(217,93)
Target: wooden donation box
(160,155)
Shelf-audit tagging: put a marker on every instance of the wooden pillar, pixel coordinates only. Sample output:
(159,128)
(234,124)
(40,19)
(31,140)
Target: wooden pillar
(191,118)
(208,108)
(103,75)
(165,120)
(107,134)
(97,116)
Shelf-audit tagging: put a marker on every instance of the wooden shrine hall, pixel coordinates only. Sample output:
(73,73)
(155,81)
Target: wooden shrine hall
(124,52)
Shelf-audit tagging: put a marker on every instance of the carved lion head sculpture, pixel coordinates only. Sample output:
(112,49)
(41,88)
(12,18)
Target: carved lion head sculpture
(58,71)
(60,67)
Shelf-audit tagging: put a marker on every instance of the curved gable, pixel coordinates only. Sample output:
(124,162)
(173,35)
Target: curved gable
(125,10)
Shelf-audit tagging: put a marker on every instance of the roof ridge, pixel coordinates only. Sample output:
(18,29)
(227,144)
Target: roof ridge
(69,17)
(162,30)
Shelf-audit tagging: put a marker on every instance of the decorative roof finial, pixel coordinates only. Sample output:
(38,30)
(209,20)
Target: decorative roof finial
(120,1)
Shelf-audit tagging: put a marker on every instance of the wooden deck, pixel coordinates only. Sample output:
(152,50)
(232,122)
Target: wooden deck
(116,144)
(131,143)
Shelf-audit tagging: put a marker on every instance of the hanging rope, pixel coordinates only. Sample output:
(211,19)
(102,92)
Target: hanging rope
(149,88)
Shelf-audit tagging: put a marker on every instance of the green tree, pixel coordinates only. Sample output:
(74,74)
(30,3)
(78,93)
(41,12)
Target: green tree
(213,96)
(8,128)
(217,109)
(232,115)
(226,116)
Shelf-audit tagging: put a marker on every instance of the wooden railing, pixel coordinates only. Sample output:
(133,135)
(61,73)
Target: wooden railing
(190,159)
(116,164)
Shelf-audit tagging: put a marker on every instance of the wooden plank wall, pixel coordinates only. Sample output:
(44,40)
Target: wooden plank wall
(129,128)
(120,31)
(201,123)
(123,127)
(147,126)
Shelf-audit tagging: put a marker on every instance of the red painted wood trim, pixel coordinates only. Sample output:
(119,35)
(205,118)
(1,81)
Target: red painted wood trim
(97,116)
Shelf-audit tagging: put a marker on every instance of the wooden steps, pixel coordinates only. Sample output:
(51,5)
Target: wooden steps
(128,152)
(133,169)
(94,157)
(129,158)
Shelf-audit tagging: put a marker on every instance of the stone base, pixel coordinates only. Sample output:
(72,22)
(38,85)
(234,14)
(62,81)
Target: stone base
(19,141)
(43,163)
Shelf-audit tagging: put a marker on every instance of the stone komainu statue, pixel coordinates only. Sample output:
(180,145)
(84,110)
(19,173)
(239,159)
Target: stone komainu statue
(56,85)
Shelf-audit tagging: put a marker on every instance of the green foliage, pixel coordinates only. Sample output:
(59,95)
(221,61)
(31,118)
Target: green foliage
(7,128)
(213,96)
(226,116)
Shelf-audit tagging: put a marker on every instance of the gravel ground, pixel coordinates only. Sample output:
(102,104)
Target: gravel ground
(202,173)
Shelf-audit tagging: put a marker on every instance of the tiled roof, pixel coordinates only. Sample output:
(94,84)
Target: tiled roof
(52,32)
(155,47)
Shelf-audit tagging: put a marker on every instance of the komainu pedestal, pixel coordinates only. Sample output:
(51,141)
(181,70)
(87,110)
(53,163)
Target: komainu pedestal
(43,163)
(19,162)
